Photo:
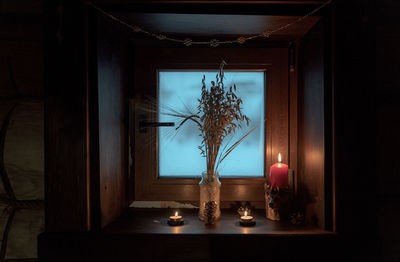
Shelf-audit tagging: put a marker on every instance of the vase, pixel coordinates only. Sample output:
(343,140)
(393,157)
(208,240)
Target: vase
(209,198)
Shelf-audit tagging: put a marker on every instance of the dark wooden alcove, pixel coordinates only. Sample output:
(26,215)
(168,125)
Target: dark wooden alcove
(89,123)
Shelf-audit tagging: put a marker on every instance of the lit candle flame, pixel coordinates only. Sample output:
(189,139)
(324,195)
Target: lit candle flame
(176,213)
(279,158)
(245,213)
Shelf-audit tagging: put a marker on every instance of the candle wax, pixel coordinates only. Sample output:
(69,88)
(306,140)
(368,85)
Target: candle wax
(175,217)
(279,175)
(175,220)
(246,220)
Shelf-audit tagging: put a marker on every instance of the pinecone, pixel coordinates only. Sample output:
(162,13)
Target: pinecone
(210,213)
(297,218)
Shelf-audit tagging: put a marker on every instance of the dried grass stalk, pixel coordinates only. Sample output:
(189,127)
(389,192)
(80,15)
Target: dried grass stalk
(219,115)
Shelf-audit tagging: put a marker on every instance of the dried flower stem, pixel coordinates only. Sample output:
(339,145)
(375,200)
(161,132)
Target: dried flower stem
(219,114)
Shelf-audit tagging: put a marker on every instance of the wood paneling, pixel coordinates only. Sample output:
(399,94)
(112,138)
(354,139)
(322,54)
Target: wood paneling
(387,129)
(311,123)
(112,108)
(65,118)
(293,113)
(275,8)
(203,25)
(355,120)
(175,247)
(70,115)
(241,2)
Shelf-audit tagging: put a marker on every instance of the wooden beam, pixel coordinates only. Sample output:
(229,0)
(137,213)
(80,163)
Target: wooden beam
(251,2)
(65,118)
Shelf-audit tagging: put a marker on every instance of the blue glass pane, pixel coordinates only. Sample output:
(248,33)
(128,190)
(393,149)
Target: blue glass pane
(179,155)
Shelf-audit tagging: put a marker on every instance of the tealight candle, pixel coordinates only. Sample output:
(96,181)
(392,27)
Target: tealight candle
(247,220)
(176,220)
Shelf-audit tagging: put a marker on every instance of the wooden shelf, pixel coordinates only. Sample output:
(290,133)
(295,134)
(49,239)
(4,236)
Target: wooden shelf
(144,235)
(154,221)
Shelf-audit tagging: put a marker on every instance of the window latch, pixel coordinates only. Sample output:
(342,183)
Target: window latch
(143,125)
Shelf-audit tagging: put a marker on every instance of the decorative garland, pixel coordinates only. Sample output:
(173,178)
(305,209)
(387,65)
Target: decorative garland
(213,42)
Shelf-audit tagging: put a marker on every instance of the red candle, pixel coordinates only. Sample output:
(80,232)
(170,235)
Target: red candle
(279,174)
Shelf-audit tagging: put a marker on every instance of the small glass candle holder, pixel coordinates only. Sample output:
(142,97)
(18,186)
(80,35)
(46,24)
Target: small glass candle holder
(176,220)
(247,220)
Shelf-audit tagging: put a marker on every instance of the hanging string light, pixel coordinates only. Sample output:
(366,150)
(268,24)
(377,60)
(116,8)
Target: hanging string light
(212,42)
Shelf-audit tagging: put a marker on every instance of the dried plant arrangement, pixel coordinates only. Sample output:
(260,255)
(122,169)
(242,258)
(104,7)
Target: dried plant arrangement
(219,115)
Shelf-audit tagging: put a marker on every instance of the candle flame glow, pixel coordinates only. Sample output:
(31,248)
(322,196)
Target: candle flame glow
(245,213)
(279,158)
(176,213)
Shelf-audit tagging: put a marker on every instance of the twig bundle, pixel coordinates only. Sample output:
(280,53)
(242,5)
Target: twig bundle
(219,114)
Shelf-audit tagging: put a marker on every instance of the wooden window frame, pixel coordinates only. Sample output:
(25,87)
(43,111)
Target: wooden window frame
(274,61)
(188,69)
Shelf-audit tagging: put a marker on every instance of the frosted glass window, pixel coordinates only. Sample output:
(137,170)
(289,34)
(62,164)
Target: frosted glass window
(178,151)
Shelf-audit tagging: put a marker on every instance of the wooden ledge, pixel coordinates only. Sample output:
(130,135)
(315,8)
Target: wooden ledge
(143,235)
(154,221)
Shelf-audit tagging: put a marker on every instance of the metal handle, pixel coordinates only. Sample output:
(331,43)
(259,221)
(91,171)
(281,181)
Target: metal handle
(143,125)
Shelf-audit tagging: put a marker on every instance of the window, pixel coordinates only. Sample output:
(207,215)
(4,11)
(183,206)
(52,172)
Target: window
(153,179)
(178,153)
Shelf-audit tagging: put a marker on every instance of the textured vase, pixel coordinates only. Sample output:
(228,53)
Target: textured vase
(209,198)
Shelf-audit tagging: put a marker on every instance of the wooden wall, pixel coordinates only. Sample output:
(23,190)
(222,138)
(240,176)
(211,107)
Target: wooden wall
(109,108)
(85,120)
(311,126)
(387,94)
(66,185)
(354,74)
(356,141)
